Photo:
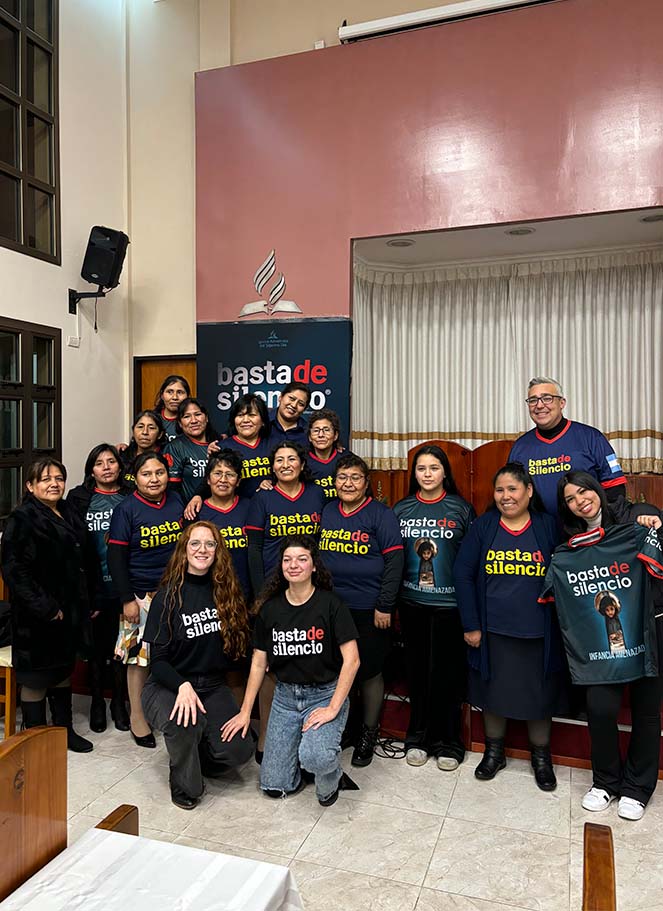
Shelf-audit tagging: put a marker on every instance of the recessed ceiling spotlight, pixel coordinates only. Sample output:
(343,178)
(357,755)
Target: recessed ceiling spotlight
(401,242)
(649,219)
(520,232)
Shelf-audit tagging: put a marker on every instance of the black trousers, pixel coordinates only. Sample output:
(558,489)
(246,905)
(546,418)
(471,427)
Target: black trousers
(196,750)
(637,776)
(437,675)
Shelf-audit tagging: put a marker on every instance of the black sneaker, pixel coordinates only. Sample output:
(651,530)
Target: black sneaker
(362,754)
(345,784)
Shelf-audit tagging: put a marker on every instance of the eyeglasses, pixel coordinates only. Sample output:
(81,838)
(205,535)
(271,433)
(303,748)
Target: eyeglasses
(206,545)
(546,399)
(223,476)
(354,479)
(321,431)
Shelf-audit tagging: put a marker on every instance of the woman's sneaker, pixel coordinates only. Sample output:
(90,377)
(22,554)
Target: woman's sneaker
(447,763)
(629,808)
(415,756)
(596,800)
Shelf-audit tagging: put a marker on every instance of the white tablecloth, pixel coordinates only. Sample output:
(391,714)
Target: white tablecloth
(107,871)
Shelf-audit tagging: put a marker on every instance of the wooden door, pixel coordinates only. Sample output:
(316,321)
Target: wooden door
(150,372)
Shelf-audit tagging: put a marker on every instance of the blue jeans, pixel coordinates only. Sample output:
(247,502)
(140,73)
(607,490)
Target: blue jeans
(287,748)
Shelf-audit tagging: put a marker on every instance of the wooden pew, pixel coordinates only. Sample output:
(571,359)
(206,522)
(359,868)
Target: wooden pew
(33,803)
(598,874)
(123,819)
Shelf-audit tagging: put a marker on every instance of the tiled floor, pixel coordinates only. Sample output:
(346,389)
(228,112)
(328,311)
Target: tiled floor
(411,838)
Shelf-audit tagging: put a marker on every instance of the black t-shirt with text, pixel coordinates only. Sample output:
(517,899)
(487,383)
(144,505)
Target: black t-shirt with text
(303,641)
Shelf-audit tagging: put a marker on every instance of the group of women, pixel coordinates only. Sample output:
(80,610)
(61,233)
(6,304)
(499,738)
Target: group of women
(183,550)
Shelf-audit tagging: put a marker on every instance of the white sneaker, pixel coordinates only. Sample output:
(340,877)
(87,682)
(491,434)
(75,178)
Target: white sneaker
(629,808)
(447,763)
(596,799)
(416,757)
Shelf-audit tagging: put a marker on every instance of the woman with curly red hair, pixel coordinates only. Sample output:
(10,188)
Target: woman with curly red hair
(197,627)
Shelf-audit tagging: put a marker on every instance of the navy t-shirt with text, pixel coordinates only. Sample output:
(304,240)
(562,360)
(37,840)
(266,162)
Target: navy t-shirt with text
(324,471)
(232,523)
(353,548)
(150,531)
(578,447)
(278,515)
(255,462)
(515,570)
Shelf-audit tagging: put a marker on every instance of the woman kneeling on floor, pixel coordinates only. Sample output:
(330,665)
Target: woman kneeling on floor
(306,636)
(197,627)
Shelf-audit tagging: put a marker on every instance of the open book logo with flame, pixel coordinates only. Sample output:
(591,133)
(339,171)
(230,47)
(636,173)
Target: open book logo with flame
(272,298)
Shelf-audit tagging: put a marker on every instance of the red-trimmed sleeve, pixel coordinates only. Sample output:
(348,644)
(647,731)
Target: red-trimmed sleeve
(255,520)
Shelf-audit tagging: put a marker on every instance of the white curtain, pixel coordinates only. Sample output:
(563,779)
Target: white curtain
(447,353)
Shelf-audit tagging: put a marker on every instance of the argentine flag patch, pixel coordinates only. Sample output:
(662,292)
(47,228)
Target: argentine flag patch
(613,464)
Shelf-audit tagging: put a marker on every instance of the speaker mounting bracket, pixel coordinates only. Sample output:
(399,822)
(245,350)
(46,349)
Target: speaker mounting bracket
(75,297)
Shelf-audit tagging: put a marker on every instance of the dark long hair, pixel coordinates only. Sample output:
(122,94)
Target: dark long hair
(145,457)
(131,451)
(250,402)
(210,432)
(226,591)
(171,378)
(448,483)
(520,473)
(229,457)
(305,473)
(88,479)
(277,583)
(36,470)
(573,525)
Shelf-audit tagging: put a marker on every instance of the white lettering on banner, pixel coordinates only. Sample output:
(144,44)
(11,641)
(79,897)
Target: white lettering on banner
(244,378)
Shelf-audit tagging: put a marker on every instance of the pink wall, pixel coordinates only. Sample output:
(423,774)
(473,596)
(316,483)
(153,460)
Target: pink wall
(541,112)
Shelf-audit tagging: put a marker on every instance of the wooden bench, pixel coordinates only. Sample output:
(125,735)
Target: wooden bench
(598,873)
(33,804)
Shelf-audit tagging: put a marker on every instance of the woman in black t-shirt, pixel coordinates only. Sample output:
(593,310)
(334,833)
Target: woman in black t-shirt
(197,627)
(306,635)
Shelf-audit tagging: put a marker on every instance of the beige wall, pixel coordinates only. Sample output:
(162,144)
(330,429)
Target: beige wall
(93,183)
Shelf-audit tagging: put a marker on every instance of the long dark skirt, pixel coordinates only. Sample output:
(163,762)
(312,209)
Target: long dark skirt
(517,687)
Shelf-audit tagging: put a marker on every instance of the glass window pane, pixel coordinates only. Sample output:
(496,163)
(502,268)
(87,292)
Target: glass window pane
(10,490)
(9,357)
(8,132)
(38,17)
(10,424)
(38,148)
(9,207)
(9,57)
(42,361)
(42,425)
(38,77)
(39,220)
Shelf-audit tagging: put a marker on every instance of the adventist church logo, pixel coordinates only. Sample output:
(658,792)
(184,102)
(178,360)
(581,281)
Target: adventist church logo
(271,298)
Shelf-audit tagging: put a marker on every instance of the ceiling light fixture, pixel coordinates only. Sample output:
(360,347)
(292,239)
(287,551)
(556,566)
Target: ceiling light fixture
(520,232)
(401,242)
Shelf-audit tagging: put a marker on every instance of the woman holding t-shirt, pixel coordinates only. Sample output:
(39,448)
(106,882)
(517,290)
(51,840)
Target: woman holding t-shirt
(305,634)
(433,521)
(361,545)
(143,533)
(515,649)
(95,500)
(197,627)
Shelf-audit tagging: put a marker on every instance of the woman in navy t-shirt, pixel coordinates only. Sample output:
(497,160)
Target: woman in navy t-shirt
(187,454)
(172,392)
(515,652)
(360,543)
(144,530)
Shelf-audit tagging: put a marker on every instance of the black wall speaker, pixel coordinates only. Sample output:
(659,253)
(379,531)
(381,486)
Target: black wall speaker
(104,257)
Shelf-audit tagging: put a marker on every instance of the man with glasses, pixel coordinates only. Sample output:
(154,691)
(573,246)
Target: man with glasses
(557,445)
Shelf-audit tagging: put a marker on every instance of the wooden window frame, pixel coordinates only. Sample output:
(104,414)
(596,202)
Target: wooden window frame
(27,392)
(25,107)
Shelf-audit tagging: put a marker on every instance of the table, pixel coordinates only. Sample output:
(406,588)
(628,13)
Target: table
(109,871)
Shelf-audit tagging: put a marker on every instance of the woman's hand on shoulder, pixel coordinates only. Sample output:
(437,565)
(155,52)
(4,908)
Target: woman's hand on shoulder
(187,705)
(213,447)
(193,508)
(266,484)
(473,638)
(131,611)
(649,521)
(239,722)
(318,717)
